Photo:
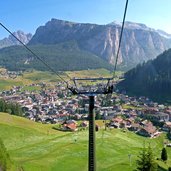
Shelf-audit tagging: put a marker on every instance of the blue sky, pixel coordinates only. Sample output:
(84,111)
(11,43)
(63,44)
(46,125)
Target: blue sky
(30,14)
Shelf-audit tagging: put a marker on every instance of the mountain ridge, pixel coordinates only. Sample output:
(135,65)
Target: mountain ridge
(138,45)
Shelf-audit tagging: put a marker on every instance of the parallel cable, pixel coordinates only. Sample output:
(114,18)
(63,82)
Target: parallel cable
(39,58)
(72,88)
(120,39)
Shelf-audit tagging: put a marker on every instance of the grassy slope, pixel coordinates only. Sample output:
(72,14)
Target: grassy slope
(37,76)
(38,147)
(6,84)
(90,73)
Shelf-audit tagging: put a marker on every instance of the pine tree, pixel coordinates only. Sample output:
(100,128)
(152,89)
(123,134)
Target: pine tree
(164,154)
(146,161)
(2,105)
(141,162)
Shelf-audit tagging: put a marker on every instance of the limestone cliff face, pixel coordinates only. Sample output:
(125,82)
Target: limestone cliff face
(139,42)
(10,41)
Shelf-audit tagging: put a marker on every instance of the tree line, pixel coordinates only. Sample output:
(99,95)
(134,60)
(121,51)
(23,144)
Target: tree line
(10,107)
(151,79)
(61,57)
(147,162)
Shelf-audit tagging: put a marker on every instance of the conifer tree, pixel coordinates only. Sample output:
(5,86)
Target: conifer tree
(164,154)
(146,161)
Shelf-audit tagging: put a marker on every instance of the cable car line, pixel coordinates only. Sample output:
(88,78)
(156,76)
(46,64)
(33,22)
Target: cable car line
(107,89)
(120,39)
(39,58)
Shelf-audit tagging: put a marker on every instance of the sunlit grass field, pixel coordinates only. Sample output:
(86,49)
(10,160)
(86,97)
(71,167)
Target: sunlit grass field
(37,147)
(34,76)
(90,73)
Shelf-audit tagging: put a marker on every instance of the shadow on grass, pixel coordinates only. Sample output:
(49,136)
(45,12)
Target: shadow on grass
(161,169)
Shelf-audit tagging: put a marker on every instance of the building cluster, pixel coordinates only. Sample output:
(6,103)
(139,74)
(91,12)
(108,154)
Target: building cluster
(58,105)
(4,73)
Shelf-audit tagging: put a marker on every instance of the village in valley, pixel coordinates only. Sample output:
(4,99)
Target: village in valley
(58,106)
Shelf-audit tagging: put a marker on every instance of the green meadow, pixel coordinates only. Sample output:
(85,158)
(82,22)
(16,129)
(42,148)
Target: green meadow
(37,147)
(90,73)
(34,76)
(37,76)
(6,84)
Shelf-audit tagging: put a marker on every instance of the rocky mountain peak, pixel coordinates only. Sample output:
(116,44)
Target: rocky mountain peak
(140,43)
(57,21)
(11,41)
(25,38)
(140,26)
(132,25)
(164,34)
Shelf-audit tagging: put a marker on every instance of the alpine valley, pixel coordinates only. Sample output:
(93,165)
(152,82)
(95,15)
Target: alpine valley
(44,115)
(71,44)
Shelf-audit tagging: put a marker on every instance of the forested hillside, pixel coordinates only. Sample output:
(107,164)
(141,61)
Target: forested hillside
(151,79)
(61,57)
(140,43)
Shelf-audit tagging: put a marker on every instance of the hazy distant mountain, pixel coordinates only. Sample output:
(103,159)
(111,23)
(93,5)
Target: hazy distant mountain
(151,79)
(140,43)
(11,41)
(164,34)
(133,26)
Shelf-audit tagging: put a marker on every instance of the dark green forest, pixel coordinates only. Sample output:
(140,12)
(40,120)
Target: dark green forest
(11,108)
(151,79)
(61,57)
